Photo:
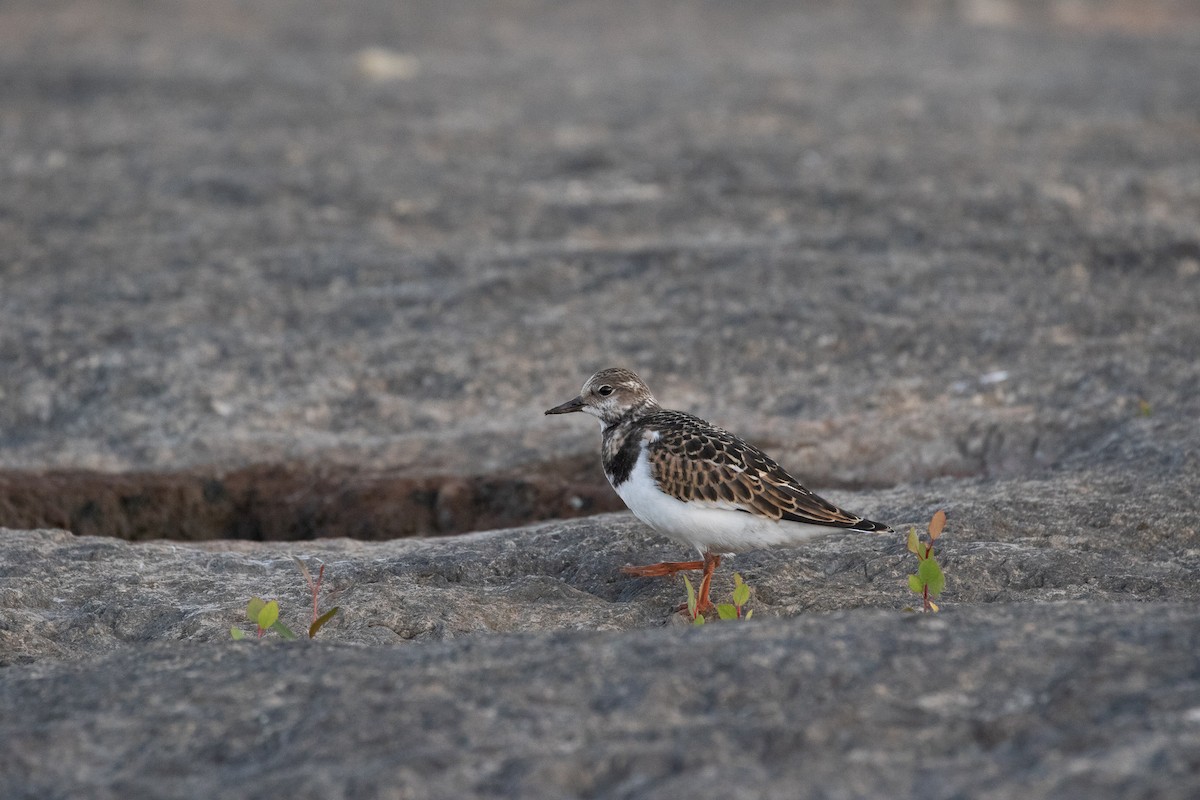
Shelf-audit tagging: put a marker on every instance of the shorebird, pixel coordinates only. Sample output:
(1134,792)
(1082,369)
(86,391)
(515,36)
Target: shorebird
(698,484)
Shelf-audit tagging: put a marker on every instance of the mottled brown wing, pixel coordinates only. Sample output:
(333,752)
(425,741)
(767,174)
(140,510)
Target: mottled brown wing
(694,461)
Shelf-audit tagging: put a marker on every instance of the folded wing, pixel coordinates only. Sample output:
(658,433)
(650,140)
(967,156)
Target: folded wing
(694,461)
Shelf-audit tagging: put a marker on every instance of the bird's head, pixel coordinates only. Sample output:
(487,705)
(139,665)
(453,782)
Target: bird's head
(609,395)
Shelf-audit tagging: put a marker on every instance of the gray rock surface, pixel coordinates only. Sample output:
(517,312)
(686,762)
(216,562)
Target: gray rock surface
(896,243)
(1061,539)
(1054,700)
(521,663)
(930,255)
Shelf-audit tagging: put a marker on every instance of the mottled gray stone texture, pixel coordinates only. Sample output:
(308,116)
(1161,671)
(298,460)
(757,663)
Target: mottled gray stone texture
(932,239)
(1057,700)
(326,254)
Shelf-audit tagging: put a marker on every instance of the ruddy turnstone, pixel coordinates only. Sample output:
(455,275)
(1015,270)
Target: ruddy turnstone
(698,484)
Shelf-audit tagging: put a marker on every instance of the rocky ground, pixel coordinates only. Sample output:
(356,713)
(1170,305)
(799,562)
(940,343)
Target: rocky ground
(268,276)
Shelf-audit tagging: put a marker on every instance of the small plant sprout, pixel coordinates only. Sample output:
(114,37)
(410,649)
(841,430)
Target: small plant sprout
(929,580)
(741,596)
(692,607)
(734,610)
(265,615)
(318,619)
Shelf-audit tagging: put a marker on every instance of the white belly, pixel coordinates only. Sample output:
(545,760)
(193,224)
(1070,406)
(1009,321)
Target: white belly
(706,526)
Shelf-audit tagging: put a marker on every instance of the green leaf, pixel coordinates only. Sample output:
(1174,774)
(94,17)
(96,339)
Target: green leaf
(254,608)
(938,586)
(283,630)
(741,594)
(699,620)
(237,633)
(931,575)
(749,614)
(914,583)
(268,614)
(727,611)
(691,601)
(321,620)
(914,542)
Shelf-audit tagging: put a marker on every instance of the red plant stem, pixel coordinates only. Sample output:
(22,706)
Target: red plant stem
(925,596)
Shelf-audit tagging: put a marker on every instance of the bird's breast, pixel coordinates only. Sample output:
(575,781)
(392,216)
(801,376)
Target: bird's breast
(621,453)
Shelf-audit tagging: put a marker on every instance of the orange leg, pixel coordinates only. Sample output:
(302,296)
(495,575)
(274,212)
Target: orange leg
(709,565)
(665,568)
(711,562)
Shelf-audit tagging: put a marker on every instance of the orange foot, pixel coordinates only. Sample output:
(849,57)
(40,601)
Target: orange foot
(709,565)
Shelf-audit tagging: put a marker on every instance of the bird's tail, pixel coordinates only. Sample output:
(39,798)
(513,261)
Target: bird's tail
(869,526)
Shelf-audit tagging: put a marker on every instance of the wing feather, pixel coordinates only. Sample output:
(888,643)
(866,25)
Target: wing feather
(695,461)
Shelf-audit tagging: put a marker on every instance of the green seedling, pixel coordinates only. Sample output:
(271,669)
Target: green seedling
(741,596)
(318,620)
(265,615)
(929,580)
(692,607)
(734,610)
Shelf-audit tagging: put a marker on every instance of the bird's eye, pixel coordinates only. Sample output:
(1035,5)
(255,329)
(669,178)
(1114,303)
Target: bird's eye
(604,391)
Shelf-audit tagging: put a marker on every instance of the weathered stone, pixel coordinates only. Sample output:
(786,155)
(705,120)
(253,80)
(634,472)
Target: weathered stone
(1047,700)
(892,243)
(1030,682)
(1071,537)
(298,273)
